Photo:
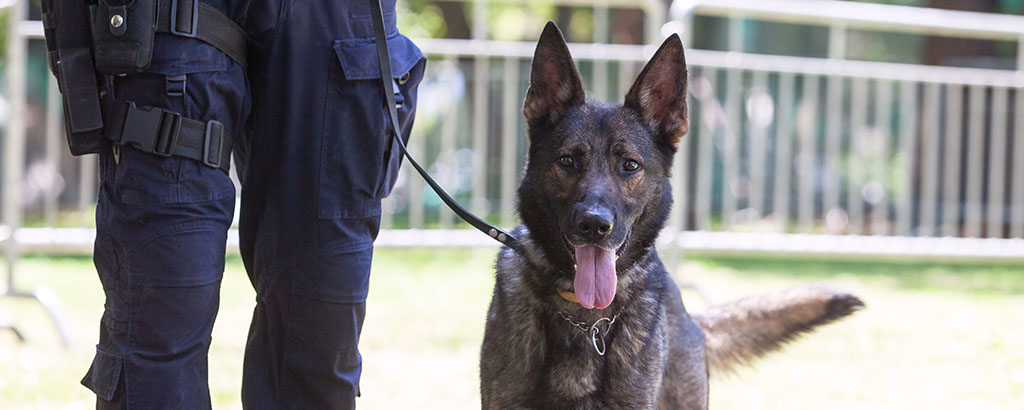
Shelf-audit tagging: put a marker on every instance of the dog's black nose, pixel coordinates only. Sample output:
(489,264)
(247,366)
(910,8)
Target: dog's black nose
(594,224)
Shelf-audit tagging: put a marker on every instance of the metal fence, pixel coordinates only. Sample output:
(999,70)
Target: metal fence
(789,155)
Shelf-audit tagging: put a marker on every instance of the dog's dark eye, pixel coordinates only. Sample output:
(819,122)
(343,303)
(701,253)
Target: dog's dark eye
(630,166)
(566,161)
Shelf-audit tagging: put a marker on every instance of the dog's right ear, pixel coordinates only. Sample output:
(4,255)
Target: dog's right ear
(555,85)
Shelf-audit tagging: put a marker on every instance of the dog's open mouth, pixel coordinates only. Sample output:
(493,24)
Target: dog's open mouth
(595,278)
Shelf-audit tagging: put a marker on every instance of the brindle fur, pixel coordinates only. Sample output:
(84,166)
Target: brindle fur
(657,354)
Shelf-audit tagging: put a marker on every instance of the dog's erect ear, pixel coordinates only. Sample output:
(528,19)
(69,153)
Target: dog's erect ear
(555,85)
(659,93)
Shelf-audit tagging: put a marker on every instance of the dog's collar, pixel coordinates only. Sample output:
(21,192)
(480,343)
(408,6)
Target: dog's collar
(596,334)
(569,296)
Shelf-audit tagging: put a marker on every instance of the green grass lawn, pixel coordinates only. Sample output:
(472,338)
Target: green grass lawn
(932,336)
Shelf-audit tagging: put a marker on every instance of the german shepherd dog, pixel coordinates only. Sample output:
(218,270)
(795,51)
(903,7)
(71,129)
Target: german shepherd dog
(584,314)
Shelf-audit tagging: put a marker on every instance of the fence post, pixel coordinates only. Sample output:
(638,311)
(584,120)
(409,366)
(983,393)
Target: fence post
(14,141)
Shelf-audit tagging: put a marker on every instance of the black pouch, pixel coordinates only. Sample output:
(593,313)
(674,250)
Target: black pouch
(122,35)
(66,25)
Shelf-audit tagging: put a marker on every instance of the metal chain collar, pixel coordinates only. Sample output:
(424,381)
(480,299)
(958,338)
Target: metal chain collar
(596,335)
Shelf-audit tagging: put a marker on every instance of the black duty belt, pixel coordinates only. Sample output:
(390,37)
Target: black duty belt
(386,84)
(166,133)
(191,18)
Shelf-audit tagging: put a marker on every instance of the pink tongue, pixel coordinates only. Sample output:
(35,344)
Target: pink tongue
(595,276)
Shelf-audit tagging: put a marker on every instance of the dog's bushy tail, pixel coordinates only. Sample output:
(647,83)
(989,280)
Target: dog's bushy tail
(740,331)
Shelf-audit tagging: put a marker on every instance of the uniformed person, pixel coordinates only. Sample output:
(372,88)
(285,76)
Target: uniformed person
(306,117)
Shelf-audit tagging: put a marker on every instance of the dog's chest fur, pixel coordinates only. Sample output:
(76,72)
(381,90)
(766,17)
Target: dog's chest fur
(533,358)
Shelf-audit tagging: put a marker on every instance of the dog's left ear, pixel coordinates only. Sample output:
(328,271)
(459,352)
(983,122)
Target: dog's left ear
(659,93)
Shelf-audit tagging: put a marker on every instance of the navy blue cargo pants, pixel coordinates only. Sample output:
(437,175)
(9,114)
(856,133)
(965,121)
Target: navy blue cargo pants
(313,155)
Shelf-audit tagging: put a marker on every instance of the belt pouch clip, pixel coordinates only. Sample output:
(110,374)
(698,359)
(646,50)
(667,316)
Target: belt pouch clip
(122,34)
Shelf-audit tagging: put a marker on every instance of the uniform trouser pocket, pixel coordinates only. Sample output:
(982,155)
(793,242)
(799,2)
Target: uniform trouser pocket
(161,233)
(162,298)
(359,159)
(104,375)
(161,349)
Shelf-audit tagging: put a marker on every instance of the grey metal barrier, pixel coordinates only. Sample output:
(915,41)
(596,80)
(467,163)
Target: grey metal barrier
(781,148)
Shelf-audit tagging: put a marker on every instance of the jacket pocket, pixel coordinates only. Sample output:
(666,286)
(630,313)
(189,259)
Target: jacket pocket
(358,159)
(104,375)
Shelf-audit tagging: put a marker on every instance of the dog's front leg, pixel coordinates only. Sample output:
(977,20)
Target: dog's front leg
(510,359)
(635,361)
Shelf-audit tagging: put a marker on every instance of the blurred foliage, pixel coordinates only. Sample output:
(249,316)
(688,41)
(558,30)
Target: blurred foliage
(915,3)
(884,46)
(522,21)
(1011,6)
(513,22)
(5,15)
(506,21)
(1001,6)
(421,19)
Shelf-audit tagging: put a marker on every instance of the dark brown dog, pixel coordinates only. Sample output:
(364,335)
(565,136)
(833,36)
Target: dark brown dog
(585,315)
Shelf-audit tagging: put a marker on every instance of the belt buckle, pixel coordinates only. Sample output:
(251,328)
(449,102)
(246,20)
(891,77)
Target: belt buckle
(214,139)
(167,135)
(174,19)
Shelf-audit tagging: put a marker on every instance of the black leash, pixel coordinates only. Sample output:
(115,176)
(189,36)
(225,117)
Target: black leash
(389,96)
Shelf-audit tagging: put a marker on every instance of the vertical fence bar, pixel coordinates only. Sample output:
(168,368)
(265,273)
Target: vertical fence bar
(833,136)
(627,72)
(1017,179)
(1017,206)
(86,187)
(908,133)
(449,125)
(733,117)
(1017,189)
(601,35)
(677,217)
(1020,54)
(757,171)
(857,160)
(14,133)
(930,140)
(997,163)
(706,141)
(837,41)
(806,157)
(387,211)
(681,176)
(783,152)
(684,169)
(480,104)
(654,13)
(975,158)
(730,145)
(509,139)
(833,129)
(415,184)
(883,121)
(951,161)
(53,146)
(480,19)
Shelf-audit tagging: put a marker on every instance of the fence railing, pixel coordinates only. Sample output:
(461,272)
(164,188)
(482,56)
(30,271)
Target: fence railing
(880,148)
(780,147)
